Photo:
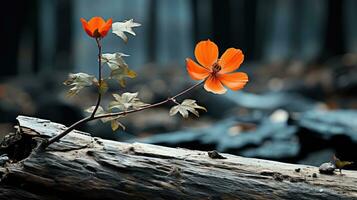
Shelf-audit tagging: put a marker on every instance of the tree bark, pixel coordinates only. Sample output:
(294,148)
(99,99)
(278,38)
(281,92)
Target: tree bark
(84,167)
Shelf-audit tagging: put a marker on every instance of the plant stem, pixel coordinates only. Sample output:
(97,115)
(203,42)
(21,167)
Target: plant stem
(90,118)
(99,76)
(69,129)
(148,106)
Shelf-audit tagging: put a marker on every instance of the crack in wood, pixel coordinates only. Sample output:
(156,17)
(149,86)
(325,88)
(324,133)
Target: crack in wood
(102,169)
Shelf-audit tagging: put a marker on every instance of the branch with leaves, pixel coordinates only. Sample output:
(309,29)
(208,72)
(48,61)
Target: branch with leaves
(213,72)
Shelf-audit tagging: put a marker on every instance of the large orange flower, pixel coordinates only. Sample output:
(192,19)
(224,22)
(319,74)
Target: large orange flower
(217,72)
(97,27)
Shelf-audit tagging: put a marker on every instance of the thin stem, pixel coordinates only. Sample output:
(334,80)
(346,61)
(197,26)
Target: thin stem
(69,129)
(173,99)
(187,90)
(99,76)
(90,118)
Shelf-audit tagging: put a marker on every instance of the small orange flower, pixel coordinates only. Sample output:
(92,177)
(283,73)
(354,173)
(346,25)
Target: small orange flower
(97,27)
(217,72)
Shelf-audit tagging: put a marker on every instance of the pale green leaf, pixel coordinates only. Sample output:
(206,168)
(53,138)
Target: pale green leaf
(119,28)
(79,81)
(174,110)
(191,102)
(192,110)
(188,105)
(115,124)
(129,97)
(183,111)
(114,60)
(125,101)
(119,69)
(91,109)
(99,111)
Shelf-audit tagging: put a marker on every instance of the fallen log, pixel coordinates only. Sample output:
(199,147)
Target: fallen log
(84,167)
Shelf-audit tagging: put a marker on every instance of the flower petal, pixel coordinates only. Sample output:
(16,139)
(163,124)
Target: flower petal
(234,81)
(95,23)
(206,53)
(106,27)
(212,84)
(231,60)
(86,27)
(195,71)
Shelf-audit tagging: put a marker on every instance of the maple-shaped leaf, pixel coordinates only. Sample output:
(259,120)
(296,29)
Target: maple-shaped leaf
(79,81)
(125,101)
(114,123)
(119,28)
(119,69)
(99,111)
(188,105)
(120,74)
(114,60)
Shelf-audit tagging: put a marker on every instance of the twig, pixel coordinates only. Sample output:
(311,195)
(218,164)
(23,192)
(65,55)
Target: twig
(173,99)
(90,118)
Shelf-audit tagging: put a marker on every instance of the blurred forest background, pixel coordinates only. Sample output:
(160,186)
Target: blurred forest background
(301,57)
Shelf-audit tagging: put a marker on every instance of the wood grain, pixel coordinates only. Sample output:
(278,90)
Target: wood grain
(84,167)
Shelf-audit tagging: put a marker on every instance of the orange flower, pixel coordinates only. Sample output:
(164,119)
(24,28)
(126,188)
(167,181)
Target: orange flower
(217,72)
(97,27)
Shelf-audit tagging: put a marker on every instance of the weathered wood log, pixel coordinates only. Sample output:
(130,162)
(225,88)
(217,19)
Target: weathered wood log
(83,167)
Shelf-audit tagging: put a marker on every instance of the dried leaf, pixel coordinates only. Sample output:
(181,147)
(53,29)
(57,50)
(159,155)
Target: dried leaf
(103,87)
(120,74)
(125,101)
(188,105)
(119,28)
(78,81)
(115,124)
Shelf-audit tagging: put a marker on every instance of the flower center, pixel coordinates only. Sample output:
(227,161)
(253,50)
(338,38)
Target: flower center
(96,33)
(216,67)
